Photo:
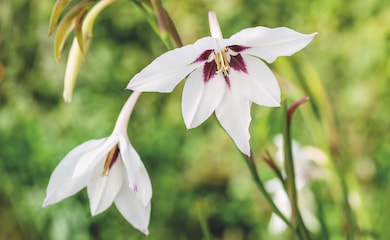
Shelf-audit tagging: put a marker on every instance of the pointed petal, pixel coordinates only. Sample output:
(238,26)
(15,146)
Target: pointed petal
(270,43)
(103,189)
(215,30)
(166,71)
(62,184)
(143,186)
(130,159)
(200,98)
(137,177)
(234,115)
(134,211)
(95,156)
(259,85)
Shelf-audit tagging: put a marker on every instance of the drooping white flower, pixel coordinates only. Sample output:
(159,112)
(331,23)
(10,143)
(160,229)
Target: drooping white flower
(307,164)
(111,170)
(224,75)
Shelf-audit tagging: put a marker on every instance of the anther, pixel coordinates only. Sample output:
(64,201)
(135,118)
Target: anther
(222,61)
(110,159)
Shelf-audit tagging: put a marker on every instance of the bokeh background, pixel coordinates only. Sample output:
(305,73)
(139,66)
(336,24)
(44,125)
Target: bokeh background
(198,174)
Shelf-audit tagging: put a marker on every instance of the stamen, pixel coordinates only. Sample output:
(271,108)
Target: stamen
(222,61)
(112,156)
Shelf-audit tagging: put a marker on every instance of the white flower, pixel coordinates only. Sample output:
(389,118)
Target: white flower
(307,162)
(111,170)
(224,75)
(281,200)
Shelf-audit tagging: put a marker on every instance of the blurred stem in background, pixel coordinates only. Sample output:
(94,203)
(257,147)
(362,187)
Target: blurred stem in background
(291,188)
(161,22)
(317,92)
(260,185)
(322,123)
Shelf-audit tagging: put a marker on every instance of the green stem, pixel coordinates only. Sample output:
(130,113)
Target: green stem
(314,86)
(252,167)
(165,27)
(289,167)
(297,221)
(203,222)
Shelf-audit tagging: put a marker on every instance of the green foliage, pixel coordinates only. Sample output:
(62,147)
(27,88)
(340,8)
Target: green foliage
(199,167)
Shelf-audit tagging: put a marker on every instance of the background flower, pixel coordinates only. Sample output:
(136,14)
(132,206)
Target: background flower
(309,163)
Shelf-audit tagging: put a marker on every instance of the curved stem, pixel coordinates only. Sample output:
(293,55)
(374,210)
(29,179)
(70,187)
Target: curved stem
(260,186)
(124,115)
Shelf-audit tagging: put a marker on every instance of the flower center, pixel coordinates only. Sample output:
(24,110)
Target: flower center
(222,60)
(112,156)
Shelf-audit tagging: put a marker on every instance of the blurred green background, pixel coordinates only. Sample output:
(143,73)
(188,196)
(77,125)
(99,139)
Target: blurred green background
(198,172)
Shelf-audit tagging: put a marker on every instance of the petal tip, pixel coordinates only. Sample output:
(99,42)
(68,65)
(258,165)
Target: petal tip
(45,203)
(93,211)
(145,231)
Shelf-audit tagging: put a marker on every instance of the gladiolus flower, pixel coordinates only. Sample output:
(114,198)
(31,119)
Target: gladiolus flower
(111,170)
(224,75)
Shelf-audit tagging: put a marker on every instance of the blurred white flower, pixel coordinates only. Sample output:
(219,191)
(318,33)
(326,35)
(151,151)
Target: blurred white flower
(307,164)
(111,170)
(224,75)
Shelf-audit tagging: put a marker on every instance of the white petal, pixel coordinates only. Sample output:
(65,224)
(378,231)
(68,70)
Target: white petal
(234,115)
(130,159)
(207,43)
(305,204)
(143,186)
(274,185)
(270,43)
(134,211)
(62,184)
(166,71)
(215,30)
(276,224)
(103,189)
(92,157)
(199,98)
(282,201)
(136,175)
(279,155)
(259,85)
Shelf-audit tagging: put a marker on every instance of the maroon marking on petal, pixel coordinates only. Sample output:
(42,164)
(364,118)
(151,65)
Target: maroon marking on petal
(227,80)
(204,56)
(237,63)
(135,188)
(237,48)
(111,158)
(209,71)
